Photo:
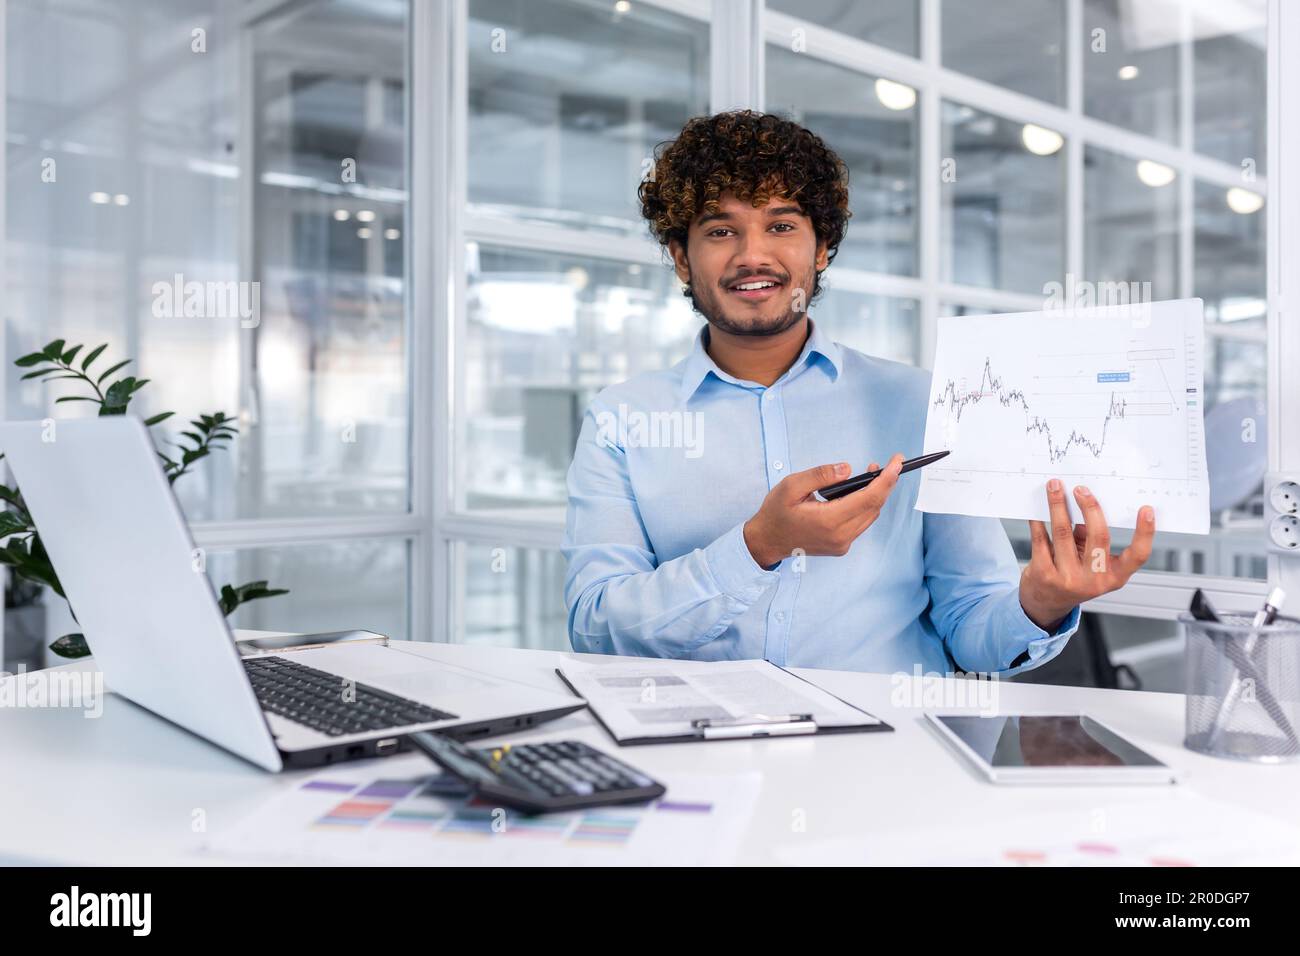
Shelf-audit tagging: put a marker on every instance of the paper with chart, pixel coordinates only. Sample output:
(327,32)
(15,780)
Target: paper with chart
(1110,398)
(393,811)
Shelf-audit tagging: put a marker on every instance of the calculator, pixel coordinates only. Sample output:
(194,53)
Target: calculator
(539,778)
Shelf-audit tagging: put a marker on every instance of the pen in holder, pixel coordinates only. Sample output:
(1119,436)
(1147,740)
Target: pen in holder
(1243,688)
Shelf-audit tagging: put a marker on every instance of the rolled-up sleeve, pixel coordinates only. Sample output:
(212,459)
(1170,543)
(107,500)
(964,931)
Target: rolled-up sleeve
(620,599)
(973,578)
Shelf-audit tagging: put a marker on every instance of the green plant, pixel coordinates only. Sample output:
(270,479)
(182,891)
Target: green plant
(22,550)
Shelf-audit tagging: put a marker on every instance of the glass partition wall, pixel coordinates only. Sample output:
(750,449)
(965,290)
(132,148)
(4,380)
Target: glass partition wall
(151,145)
(438,204)
(1092,140)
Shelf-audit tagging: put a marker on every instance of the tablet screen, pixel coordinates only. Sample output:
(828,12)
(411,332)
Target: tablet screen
(1045,741)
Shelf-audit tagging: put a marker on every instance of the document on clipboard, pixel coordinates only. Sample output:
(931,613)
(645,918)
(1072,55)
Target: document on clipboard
(655,701)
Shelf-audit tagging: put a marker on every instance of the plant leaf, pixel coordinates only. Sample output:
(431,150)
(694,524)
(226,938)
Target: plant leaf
(229,599)
(94,354)
(117,397)
(76,398)
(54,350)
(12,523)
(71,646)
(39,372)
(71,354)
(232,598)
(111,370)
(42,559)
(155,419)
(30,359)
(32,566)
(193,455)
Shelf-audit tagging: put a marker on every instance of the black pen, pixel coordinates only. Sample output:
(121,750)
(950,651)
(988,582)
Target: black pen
(850,485)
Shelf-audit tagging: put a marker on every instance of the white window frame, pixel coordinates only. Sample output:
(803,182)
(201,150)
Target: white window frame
(1153,594)
(413,525)
(740,30)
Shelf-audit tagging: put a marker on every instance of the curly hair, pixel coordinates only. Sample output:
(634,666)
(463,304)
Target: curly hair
(754,156)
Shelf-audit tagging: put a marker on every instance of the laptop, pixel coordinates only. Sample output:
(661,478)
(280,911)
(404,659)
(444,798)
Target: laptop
(130,569)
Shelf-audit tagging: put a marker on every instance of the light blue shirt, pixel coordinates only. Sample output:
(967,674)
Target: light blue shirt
(670,465)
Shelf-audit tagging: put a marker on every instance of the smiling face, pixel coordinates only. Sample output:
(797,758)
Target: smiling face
(751,270)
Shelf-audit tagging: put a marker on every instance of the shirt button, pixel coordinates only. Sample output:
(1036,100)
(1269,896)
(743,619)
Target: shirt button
(768,396)
(778,464)
(780,617)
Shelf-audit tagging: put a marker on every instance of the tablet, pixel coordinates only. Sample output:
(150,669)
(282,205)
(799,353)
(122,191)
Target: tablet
(1049,748)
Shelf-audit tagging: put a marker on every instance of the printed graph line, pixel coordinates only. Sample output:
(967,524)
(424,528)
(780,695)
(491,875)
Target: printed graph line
(991,386)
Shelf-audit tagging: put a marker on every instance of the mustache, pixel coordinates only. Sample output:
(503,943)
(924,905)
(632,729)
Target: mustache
(776,277)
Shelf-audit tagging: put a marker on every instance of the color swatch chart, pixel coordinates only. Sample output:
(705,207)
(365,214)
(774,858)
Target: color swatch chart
(407,806)
(355,815)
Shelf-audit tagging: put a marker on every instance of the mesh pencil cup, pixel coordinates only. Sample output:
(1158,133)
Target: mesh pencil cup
(1243,688)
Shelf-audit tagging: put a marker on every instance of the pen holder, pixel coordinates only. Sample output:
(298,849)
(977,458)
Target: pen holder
(1243,688)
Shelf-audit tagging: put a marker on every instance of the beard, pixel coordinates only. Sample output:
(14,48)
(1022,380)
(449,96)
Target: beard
(712,303)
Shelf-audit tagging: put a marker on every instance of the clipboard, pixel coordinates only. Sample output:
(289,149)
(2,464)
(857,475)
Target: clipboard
(758,727)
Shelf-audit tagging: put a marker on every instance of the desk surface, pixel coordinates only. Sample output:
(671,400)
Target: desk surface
(123,788)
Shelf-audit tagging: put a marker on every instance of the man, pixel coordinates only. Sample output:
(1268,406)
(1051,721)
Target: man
(715,549)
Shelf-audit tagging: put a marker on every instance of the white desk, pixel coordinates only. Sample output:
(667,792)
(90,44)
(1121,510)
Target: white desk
(122,789)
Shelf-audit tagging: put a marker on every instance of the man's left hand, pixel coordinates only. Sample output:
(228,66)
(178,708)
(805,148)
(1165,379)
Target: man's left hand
(1073,563)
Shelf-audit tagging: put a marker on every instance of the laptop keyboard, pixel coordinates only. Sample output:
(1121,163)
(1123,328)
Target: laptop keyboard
(315,699)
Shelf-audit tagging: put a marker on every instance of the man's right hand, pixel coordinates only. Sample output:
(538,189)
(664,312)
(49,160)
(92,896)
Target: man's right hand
(791,518)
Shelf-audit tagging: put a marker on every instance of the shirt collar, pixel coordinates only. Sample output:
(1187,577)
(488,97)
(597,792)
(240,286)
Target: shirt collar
(698,365)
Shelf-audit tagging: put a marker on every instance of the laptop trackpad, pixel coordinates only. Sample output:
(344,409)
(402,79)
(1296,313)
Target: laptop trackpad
(410,676)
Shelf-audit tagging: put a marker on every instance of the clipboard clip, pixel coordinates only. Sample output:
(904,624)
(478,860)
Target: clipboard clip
(754,725)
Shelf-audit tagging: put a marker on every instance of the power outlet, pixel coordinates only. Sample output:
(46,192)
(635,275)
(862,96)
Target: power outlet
(1282,496)
(1284,532)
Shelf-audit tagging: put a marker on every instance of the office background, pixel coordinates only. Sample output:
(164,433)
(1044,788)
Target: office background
(430,332)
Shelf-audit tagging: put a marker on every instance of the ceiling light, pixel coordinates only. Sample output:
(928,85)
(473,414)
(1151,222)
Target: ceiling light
(1041,141)
(1154,174)
(392,234)
(1244,201)
(100,199)
(365,215)
(363,233)
(1128,72)
(342,215)
(895,96)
